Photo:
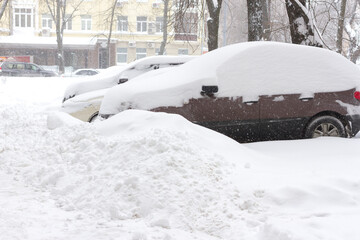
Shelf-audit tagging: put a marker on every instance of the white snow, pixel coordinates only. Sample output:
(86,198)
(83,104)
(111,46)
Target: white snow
(143,175)
(81,101)
(241,70)
(110,77)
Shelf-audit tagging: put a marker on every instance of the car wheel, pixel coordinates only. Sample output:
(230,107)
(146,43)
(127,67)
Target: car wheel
(94,117)
(325,126)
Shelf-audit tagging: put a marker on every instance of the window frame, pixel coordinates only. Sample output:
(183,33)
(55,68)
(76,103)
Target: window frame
(119,54)
(141,53)
(68,22)
(159,25)
(47,19)
(141,25)
(86,23)
(122,24)
(24,15)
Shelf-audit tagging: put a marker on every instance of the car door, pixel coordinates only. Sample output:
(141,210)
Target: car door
(231,116)
(284,116)
(30,70)
(234,117)
(19,69)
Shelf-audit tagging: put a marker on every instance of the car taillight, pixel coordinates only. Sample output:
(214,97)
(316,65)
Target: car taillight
(357,95)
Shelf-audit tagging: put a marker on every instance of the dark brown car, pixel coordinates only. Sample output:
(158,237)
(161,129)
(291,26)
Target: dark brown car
(254,91)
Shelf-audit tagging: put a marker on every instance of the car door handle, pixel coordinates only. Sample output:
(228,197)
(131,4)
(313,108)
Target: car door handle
(305,99)
(250,102)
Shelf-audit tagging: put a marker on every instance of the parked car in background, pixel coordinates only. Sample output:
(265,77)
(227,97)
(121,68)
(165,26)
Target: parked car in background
(24,69)
(85,106)
(254,91)
(82,73)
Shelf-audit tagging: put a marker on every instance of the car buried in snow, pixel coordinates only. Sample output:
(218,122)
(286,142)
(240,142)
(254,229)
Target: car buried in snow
(82,100)
(254,91)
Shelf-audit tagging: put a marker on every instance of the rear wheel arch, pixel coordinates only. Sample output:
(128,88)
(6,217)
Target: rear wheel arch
(93,117)
(336,115)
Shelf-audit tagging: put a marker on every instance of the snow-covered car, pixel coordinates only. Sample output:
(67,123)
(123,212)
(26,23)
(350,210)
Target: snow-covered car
(120,74)
(83,72)
(254,91)
(86,106)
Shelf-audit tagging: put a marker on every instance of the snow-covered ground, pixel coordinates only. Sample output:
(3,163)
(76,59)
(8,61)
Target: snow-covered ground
(143,175)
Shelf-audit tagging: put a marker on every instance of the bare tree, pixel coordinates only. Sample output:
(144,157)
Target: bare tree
(165,24)
(3,7)
(352,30)
(340,29)
(302,28)
(110,16)
(214,7)
(255,19)
(58,11)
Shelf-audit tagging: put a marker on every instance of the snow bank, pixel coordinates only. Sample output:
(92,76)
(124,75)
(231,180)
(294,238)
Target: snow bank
(157,176)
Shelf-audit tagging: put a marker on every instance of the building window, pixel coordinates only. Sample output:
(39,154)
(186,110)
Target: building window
(123,24)
(183,51)
(86,22)
(121,55)
(68,24)
(159,24)
(186,4)
(141,23)
(140,53)
(46,21)
(157,50)
(186,26)
(24,17)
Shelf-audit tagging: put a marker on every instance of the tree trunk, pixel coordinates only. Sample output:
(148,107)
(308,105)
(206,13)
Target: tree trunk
(255,19)
(266,20)
(340,29)
(59,37)
(213,23)
(3,7)
(165,23)
(108,46)
(300,26)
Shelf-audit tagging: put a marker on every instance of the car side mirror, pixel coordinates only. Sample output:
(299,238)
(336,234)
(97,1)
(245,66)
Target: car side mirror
(123,80)
(209,90)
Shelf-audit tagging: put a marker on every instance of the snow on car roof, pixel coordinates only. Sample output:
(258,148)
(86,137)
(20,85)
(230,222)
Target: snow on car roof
(245,69)
(163,59)
(110,76)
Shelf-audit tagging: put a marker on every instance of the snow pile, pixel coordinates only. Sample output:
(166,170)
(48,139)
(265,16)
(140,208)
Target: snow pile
(158,177)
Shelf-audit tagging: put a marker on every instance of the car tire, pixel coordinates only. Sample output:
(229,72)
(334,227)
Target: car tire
(325,126)
(93,117)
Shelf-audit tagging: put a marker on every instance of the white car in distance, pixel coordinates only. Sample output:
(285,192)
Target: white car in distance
(83,99)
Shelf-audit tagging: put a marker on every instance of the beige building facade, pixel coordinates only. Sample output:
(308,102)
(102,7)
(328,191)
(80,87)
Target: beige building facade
(28,29)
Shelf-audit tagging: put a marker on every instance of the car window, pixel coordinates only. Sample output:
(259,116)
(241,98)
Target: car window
(9,65)
(82,72)
(31,67)
(20,66)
